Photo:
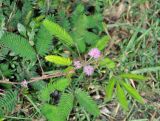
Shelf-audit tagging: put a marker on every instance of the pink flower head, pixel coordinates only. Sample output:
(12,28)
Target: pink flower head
(77,64)
(1,90)
(95,53)
(24,83)
(88,70)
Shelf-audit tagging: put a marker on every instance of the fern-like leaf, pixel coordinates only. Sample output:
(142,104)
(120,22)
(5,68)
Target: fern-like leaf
(102,43)
(43,41)
(58,32)
(65,105)
(59,85)
(86,101)
(51,112)
(58,60)
(8,101)
(19,45)
(1,114)
(79,10)
(60,112)
(107,62)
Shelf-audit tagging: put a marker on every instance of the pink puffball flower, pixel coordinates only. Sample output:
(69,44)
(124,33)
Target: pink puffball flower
(77,64)
(95,53)
(24,83)
(88,70)
(1,90)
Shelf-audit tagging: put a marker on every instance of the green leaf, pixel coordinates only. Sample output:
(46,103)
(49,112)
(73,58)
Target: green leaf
(107,62)
(51,112)
(121,97)
(86,101)
(18,45)
(43,41)
(79,28)
(8,102)
(21,29)
(5,70)
(58,60)
(65,105)
(109,89)
(1,119)
(102,43)
(133,76)
(81,45)
(77,13)
(133,92)
(60,112)
(58,32)
(90,38)
(95,21)
(67,70)
(146,70)
(60,85)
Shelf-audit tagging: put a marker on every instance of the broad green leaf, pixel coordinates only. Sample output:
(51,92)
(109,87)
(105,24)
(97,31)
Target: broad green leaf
(58,60)
(122,97)
(86,101)
(109,89)
(102,43)
(107,62)
(133,76)
(133,92)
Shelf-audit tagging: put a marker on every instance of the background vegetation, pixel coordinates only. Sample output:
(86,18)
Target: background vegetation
(40,41)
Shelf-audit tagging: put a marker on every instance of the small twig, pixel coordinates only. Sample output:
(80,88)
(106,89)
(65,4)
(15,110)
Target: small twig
(111,42)
(6,81)
(34,105)
(46,76)
(35,79)
(132,82)
(116,110)
(153,116)
(129,113)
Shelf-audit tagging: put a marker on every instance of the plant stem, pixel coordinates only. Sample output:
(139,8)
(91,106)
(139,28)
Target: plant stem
(35,79)
(40,65)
